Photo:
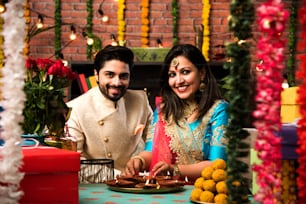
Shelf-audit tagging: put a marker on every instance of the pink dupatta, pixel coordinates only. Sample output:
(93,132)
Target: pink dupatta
(161,142)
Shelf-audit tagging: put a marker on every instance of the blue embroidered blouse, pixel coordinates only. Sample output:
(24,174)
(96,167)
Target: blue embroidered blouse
(212,140)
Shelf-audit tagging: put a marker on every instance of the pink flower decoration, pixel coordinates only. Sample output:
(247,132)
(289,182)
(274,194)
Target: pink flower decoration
(270,50)
(301,130)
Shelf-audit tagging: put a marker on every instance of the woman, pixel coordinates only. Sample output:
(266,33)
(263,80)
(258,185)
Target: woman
(187,132)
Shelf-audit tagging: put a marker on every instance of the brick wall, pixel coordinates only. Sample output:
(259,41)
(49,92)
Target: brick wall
(74,11)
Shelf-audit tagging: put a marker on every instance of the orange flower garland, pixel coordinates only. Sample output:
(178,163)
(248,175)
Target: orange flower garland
(288,181)
(121,20)
(206,32)
(27,19)
(145,23)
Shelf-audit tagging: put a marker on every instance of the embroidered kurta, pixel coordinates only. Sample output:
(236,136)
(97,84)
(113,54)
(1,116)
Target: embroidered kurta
(200,140)
(103,130)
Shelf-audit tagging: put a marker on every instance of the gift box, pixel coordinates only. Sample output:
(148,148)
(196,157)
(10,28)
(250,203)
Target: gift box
(289,142)
(51,175)
(289,107)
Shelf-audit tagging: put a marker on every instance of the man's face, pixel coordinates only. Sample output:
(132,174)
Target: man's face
(114,79)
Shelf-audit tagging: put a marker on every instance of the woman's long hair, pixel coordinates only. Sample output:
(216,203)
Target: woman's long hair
(173,106)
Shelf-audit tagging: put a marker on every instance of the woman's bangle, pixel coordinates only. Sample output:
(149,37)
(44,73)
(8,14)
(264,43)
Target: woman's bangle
(176,170)
(143,162)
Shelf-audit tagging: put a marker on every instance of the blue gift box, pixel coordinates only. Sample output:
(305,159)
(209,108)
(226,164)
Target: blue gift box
(289,137)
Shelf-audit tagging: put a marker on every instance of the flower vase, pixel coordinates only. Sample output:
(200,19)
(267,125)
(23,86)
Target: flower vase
(45,108)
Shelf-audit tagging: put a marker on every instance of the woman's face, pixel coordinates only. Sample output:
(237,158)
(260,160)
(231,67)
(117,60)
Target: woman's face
(113,79)
(184,78)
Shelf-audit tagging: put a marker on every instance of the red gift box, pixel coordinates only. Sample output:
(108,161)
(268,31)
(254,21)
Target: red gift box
(51,176)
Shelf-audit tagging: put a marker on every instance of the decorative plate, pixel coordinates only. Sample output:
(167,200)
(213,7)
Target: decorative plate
(148,190)
(145,184)
(200,202)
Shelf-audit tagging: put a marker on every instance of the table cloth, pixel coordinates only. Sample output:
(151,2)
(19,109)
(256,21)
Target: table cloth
(100,193)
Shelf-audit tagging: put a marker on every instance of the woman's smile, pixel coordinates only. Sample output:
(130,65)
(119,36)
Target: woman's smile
(184,78)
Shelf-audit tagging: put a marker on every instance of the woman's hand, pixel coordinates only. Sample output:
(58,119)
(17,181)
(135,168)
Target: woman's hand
(162,168)
(133,166)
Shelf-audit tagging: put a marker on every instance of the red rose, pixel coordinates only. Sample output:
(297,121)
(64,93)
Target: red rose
(44,64)
(30,63)
(56,68)
(67,73)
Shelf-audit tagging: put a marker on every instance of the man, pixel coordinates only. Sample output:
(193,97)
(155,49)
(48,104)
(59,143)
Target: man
(110,121)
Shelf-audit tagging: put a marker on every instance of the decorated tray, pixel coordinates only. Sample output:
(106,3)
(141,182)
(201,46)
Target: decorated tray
(200,202)
(145,184)
(149,190)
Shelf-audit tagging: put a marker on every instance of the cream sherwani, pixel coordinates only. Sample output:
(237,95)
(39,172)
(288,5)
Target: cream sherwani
(104,130)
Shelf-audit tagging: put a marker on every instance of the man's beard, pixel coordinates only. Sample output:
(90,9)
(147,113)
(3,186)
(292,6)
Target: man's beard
(105,92)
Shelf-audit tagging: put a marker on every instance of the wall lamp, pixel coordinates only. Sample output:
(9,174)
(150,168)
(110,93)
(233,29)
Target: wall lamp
(100,11)
(89,40)
(159,43)
(2,6)
(72,33)
(114,41)
(61,57)
(40,21)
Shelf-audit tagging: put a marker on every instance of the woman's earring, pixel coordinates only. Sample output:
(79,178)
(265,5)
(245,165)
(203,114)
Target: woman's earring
(202,86)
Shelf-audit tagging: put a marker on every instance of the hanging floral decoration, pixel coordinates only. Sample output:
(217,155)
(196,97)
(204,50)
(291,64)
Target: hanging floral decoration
(121,20)
(27,19)
(13,101)
(288,178)
(145,23)
(1,50)
(291,45)
(272,18)
(57,28)
(89,27)
(175,16)
(301,130)
(206,31)
(241,18)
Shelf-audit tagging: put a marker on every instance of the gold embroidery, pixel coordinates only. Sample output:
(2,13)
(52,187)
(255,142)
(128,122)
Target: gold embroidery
(187,144)
(190,109)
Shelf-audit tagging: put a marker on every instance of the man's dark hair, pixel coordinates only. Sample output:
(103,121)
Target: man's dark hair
(110,52)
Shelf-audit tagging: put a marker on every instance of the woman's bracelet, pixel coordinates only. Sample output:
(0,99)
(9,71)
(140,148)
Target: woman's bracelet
(176,170)
(143,162)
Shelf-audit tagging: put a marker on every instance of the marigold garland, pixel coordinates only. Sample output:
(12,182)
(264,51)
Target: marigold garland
(272,17)
(121,20)
(206,32)
(301,129)
(27,19)
(288,194)
(145,6)
(13,101)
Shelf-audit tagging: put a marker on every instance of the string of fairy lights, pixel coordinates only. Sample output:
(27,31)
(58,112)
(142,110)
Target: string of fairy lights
(92,41)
